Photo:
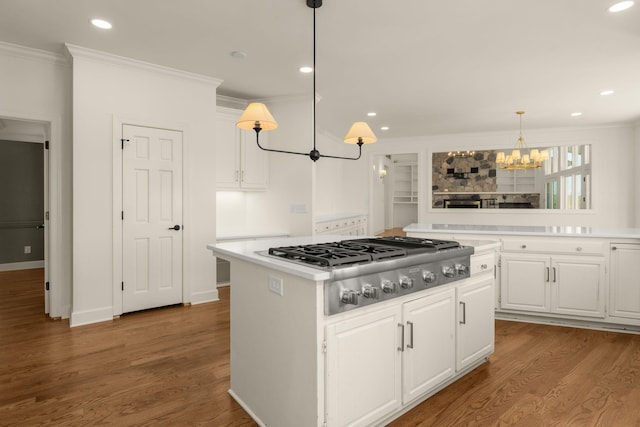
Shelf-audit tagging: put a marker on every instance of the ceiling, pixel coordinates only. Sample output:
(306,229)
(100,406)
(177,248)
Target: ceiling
(425,67)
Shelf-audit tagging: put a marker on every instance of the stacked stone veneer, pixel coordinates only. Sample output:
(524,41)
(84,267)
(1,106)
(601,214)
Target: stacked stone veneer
(482,181)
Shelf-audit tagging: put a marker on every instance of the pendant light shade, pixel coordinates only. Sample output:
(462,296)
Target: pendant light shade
(257,115)
(360,132)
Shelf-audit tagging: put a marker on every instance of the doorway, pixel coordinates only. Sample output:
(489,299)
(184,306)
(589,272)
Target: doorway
(395,188)
(24,184)
(151,217)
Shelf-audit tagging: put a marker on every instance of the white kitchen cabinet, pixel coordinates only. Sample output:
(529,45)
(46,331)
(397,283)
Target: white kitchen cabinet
(571,285)
(240,164)
(342,225)
(429,345)
(363,371)
(624,299)
(475,325)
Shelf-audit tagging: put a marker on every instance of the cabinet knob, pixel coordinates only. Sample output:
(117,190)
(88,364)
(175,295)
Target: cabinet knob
(524,246)
(614,248)
(483,266)
(579,249)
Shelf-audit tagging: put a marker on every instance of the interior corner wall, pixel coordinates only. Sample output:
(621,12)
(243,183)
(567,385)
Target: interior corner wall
(636,179)
(36,85)
(104,90)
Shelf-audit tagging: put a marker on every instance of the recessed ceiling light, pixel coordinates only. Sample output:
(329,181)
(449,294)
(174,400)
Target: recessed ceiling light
(606,92)
(101,23)
(576,114)
(306,69)
(384,128)
(620,6)
(238,54)
(371,114)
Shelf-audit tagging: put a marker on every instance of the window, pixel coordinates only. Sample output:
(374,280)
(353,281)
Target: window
(571,167)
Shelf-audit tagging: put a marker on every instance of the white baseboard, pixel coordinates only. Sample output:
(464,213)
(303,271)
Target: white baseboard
(204,296)
(79,318)
(27,265)
(246,408)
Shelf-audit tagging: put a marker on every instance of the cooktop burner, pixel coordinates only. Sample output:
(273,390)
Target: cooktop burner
(357,251)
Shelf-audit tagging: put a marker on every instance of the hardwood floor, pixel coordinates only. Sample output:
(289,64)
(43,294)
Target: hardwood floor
(393,232)
(170,367)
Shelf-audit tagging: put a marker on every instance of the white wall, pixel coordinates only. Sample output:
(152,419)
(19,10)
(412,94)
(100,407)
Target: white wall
(615,189)
(107,90)
(36,85)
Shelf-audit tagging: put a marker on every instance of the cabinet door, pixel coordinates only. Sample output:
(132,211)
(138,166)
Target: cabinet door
(254,162)
(227,152)
(428,357)
(577,286)
(524,282)
(625,278)
(363,372)
(476,321)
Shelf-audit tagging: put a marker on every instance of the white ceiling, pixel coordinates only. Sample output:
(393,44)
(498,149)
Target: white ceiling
(426,67)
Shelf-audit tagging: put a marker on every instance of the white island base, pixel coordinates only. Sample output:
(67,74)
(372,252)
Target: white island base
(293,366)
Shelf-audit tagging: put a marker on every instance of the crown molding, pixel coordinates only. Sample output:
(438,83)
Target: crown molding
(230,102)
(108,58)
(32,54)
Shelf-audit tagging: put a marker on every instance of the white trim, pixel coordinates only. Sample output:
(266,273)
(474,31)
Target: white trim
(204,297)
(32,54)
(94,55)
(79,318)
(246,408)
(25,265)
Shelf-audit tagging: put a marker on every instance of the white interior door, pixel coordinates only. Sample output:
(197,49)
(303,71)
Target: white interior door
(152,217)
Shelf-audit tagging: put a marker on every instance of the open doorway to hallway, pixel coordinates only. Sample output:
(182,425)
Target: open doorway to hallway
(24,189)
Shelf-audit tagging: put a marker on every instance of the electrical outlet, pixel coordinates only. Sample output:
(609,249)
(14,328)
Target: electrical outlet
(276,285)
(27,249)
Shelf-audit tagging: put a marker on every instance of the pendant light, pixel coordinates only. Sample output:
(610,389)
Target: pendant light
(521,157)
(258,118)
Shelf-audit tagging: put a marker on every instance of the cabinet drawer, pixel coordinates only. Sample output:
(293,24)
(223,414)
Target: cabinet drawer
(482,263)
(577,247)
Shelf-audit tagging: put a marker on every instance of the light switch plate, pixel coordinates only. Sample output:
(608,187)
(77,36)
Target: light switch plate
(276,285)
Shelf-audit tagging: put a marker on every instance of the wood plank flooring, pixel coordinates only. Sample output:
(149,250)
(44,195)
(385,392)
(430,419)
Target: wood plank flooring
(170,367)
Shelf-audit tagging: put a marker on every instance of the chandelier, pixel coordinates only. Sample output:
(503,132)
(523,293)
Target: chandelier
(521,157)
(258,117)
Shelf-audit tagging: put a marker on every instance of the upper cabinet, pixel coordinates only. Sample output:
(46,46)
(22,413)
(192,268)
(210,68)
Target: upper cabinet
(240,164)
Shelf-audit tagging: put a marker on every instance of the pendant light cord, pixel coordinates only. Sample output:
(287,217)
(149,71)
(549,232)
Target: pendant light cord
(314,79)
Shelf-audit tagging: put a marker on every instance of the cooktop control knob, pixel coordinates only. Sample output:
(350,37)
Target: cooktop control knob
(428,276)
(349,297)
(448,271)
(369,291)
(406,283)
(463,270)
(389,287)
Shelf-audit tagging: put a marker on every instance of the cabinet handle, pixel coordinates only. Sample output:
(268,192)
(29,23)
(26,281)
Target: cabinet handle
(401,326)
(483,266)
(554,275)
(524,246)
(547,274)
(464,313)
(579,249)
(614,248)
(410,334)
(242,176)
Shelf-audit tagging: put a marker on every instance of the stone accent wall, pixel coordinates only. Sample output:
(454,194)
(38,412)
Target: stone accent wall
(463,179)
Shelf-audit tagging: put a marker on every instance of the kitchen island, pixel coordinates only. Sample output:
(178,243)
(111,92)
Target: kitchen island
(576,276)
(294,365)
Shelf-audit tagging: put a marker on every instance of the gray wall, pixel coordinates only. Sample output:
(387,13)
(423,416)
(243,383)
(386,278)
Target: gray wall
(21,201)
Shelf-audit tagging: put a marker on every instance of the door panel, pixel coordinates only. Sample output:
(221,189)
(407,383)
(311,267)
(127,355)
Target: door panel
(525,283)
(578,286)
(152,206)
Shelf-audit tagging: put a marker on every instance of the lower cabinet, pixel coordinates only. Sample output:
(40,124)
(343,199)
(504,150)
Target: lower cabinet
(624,299)
(476,321)
(571,285)
(378,362)
(363,382)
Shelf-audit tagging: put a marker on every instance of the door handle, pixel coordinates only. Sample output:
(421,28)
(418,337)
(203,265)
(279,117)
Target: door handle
(39,227)
(410,334)
(175,227)
(401,326)
(464,313)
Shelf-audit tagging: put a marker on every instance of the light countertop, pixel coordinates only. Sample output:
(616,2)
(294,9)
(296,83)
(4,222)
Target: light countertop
(248,250)
(526,230)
